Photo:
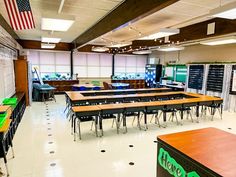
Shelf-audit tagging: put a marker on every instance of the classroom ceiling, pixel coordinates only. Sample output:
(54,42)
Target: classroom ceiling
(177,15)
(86,13)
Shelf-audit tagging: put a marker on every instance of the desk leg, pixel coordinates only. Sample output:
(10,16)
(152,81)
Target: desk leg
(96,124)
(124,123)
(43,98)
(100,125)
(74,126)
(72,123)
(164,119)
(145,121)
(53,95)
(197,113)
(118,123)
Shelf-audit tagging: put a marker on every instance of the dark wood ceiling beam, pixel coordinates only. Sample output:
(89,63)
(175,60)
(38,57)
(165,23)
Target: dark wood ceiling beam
(194,32)
(30,44)
(8,28)
(128,11)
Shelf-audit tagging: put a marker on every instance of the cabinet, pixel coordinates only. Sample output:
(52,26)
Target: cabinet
(62,85)
(134,83)
(21,77)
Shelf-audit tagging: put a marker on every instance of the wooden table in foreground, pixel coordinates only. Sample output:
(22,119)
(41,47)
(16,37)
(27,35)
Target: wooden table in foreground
(207,152)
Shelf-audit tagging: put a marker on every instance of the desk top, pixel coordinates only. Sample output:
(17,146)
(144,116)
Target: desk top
(77,96)
(211,147)
(7,123)
(85,108)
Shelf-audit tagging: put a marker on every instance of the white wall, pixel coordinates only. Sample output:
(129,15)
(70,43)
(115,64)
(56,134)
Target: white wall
(199,53)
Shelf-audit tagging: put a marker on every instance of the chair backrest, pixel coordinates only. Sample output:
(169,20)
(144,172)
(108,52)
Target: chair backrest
(106,86)
(75,88)
(96,88)
(82,88)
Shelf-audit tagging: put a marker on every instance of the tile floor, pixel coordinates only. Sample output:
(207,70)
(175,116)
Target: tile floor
(44,146)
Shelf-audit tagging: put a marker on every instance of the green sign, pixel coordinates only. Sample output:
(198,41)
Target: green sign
(169,164)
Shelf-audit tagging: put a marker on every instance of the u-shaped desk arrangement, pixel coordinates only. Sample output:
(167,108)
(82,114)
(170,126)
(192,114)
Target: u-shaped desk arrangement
(97,108)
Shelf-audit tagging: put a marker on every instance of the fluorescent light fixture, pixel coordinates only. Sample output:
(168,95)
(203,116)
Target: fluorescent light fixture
(142,52)
(50,39)
(162,33)
(100,49)
(220,41)
(47,46)
(227,11)
(170,49)
(120,44)
(52,24)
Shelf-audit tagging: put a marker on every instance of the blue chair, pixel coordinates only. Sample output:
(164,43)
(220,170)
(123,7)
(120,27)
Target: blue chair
(119,87)
(75,88)
(82,88)
(96,88)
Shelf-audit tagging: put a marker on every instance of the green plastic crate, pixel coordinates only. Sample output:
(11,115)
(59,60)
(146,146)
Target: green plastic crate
(9,101)
(3,119)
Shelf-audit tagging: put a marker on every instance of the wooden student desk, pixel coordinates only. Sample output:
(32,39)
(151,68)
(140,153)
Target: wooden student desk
(6,135)
(77,96)
(207,152)
(191,99)
(73,95)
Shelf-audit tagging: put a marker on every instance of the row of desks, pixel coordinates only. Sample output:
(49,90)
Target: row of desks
(106,94)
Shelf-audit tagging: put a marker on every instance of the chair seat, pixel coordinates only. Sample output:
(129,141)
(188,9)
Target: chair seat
(86,118)
(108,116)
(151,112)
(127,114)
(185,109)
(169,110)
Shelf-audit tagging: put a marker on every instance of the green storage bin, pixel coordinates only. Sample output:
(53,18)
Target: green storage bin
(9,101)
(3,119)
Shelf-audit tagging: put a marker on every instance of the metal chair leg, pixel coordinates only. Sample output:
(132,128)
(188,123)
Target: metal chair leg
(91,128)
(152,118)
(157,120)
(7,169)
(78,124)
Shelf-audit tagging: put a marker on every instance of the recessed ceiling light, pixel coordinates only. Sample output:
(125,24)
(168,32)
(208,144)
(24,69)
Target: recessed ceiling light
(170,49)
(47,46)
(142,52)
(227,11)
(220,41)
(120,44)
(100,49)
(50,39)
(162,33)
(52,24)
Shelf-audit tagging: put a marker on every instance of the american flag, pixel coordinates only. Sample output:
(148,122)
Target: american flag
(20,14)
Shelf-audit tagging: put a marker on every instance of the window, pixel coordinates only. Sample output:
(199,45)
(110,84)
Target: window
(92,64)
(7,76)
(51,64)
(130,65)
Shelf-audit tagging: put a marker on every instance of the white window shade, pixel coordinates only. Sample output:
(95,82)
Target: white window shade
(81,71)
(93,60)
(130,61)
(105,71)
(120,61)
(93,72)
(63,69)
(34,57)
(62,58)
(47,69)
(93,65)
(105,60)
(80,59)
(141,61)
(47,58)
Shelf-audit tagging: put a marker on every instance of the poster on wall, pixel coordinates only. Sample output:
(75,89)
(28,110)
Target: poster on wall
(234,81)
